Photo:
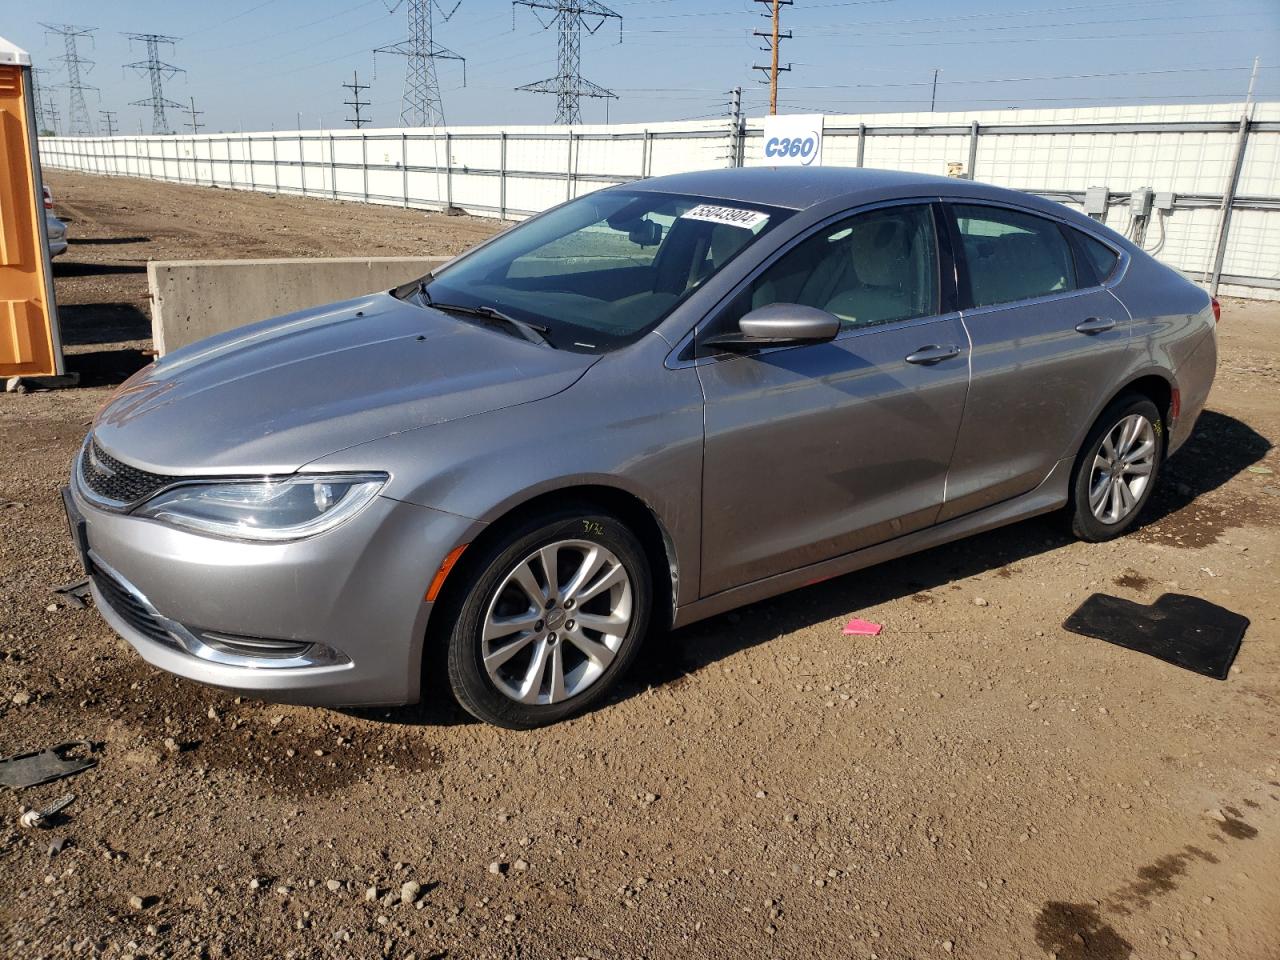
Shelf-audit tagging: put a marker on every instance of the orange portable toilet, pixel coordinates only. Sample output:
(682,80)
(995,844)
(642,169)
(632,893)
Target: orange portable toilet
(30,345)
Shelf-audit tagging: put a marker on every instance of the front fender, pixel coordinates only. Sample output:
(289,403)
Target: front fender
(630,424)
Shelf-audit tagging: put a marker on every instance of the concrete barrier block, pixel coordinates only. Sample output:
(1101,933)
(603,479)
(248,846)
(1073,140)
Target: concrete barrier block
(194,299)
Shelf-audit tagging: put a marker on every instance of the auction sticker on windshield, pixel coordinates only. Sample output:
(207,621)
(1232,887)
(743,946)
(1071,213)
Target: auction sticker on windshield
(731,216)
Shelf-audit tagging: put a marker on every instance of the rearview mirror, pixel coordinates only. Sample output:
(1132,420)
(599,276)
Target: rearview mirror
(646,233)
(779,324)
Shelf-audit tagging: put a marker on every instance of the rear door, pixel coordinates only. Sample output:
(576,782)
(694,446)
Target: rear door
(1047,340)
(815,451)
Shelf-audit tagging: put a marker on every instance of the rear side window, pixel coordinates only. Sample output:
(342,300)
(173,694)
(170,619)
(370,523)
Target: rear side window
(1095,261)
(1012,255)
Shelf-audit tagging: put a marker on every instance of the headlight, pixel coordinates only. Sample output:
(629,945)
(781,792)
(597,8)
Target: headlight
(272,510)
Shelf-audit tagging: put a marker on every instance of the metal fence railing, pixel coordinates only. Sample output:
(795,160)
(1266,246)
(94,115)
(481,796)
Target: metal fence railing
(1221,174)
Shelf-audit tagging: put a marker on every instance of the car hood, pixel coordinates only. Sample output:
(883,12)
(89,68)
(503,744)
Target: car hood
(273,396)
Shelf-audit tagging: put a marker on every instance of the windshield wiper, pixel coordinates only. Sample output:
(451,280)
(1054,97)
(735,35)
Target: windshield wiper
(530,331)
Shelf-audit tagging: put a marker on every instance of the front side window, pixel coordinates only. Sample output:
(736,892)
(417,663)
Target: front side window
(873,268)
(603,270)
(1010,255)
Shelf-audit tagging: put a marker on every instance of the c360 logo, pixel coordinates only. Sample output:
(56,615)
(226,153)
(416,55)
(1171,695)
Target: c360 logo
(805,148)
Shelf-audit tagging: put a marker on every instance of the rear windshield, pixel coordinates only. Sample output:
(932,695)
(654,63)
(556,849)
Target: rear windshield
(603,270)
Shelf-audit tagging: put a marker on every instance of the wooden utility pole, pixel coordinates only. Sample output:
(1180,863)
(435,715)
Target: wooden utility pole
(355,86)
(775,36)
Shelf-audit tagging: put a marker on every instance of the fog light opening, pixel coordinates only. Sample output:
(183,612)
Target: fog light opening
(258,646)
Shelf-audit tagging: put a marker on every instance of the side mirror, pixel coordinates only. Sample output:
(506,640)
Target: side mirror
(779,324)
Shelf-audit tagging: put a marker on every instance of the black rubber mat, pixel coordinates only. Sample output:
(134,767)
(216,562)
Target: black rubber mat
(1186,631)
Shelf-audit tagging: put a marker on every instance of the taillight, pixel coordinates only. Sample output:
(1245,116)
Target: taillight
(48,199)
(1217,310)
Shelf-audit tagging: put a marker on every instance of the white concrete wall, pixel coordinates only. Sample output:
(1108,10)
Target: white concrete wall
(517,171)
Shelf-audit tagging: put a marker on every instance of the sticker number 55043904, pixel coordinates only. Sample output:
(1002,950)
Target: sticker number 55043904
(730,216)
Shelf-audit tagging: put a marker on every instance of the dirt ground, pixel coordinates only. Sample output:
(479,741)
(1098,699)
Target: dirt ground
(974,782)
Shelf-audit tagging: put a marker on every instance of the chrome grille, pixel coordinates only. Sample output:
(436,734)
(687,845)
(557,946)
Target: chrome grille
(112,480)
(129,608)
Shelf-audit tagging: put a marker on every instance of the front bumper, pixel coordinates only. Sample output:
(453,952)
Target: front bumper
(353,595)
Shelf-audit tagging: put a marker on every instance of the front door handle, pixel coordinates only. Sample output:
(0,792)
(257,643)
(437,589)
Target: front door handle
(1095,325)
(935,353)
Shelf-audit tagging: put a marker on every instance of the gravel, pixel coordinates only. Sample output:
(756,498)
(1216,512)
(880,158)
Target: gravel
(911,798)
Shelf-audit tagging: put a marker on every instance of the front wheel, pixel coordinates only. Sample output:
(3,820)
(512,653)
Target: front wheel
(1117,469)
(553,616)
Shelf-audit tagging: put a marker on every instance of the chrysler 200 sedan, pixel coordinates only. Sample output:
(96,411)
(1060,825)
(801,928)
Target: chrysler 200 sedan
(644,407)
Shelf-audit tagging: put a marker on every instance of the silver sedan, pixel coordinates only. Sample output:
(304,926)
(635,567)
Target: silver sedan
(647,406)
(54,228)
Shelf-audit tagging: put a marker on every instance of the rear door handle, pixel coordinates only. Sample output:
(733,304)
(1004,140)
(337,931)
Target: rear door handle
(935,353)
(1095,325)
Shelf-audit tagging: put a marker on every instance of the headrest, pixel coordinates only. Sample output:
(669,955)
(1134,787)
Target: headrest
(726,240)
(880,250)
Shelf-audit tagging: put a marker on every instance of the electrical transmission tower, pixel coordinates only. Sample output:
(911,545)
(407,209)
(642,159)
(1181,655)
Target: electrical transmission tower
(570,17)
(422,106)
(159,72)
(78,121)
(194,123)
(109,121)
(39,104)
(355,86)
(775,36)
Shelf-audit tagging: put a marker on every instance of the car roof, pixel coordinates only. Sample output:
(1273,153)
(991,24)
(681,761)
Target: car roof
(798,188)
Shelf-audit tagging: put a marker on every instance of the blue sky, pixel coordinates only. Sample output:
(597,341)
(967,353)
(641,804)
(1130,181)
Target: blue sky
(256,64)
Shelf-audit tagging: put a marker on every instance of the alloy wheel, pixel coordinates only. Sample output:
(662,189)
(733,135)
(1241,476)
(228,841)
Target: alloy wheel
(1122,469)
(556,622)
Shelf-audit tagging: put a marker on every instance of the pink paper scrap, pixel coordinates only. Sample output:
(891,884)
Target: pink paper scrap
(862,628)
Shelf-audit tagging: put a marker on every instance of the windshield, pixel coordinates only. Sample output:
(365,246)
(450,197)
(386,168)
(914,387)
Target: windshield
(601,271)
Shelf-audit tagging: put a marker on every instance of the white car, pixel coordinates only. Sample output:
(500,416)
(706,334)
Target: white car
(56,229)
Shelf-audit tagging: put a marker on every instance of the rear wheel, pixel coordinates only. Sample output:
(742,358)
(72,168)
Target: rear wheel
(553,616)
(1117,468)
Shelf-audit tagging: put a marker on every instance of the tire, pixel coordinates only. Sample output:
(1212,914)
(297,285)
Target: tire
(1103,508)
(562,666)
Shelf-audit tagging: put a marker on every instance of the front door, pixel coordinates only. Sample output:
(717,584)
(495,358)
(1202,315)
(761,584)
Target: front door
(814,451)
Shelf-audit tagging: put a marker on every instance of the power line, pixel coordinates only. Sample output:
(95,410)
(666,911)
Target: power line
(1059,25)
(223,20)
(194,123)
(570,18)
(1006,14)
(291,29)
(159,71)
(355,86)
(109,121)
(774,36)
(78,121)
(1025,79)
(1128,38)
(421,105)
(1077,100)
